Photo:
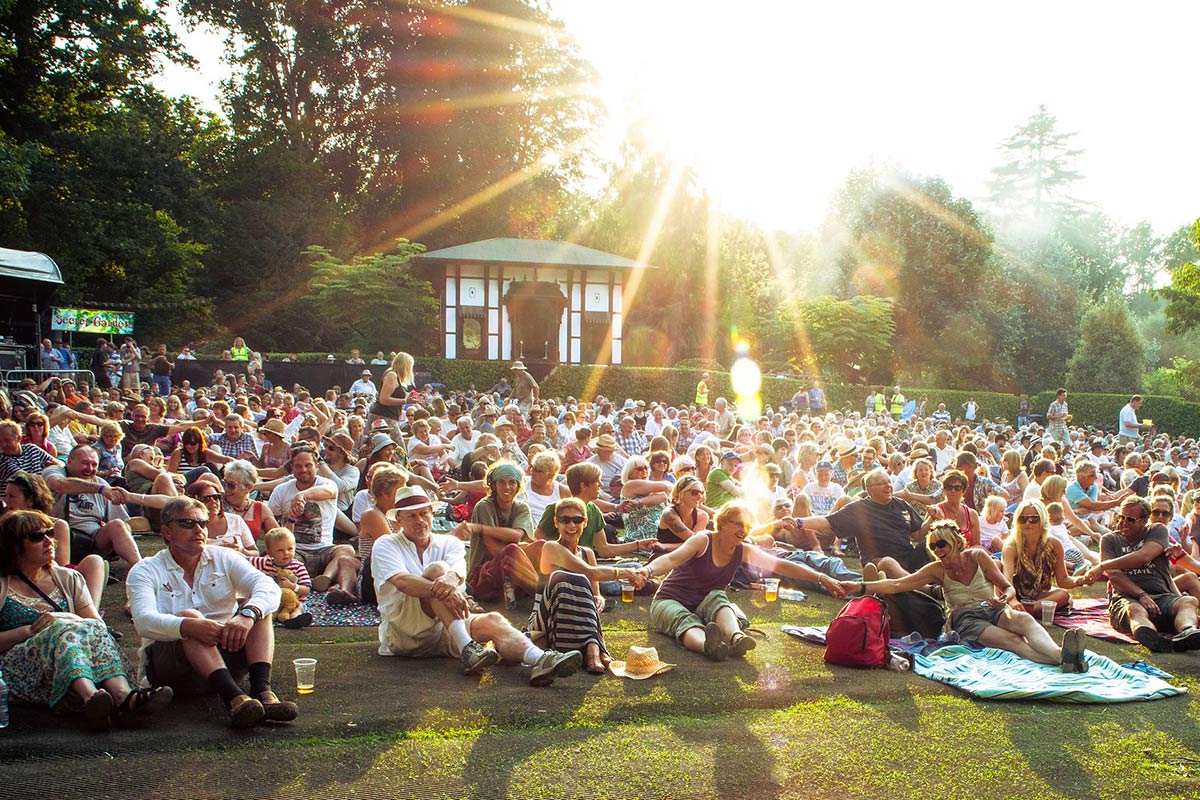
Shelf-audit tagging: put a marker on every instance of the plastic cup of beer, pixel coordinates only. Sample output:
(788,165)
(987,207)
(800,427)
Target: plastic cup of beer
(626,592)
(306,675)
(1048,609)
(772,589)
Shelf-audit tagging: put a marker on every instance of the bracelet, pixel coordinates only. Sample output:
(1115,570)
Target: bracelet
(649,571)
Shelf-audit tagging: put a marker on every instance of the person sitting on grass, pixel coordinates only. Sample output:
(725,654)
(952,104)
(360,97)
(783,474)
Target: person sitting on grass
(566,611)
(203,612)
(1034,560)
(980,600)
(423,611)
(691,604)
(684,518)
(280,559)
(1142,598)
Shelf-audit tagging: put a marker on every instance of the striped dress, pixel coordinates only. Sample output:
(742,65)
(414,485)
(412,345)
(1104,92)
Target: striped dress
(565,610)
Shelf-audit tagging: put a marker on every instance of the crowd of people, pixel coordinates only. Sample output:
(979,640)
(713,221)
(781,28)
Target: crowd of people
(434,505)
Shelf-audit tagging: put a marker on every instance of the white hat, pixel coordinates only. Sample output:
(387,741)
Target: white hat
(407,499)
(641,663)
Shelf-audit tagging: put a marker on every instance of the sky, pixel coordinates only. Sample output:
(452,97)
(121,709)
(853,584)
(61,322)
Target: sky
(775,102)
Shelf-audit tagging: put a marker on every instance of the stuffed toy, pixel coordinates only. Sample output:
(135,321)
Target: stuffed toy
(289,603)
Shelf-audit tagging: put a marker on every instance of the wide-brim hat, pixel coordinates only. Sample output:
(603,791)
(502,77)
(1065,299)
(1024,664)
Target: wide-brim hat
(407,499)
(380,441)
(517,365)
(274,425)
(606,441)
(366,372)
(845,447)
(639,664)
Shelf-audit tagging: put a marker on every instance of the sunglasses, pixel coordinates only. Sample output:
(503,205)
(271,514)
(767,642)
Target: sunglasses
(37,536)
(1158,512)
(230,484)
(686,470)
(191,524)
(938,544)
(207,497)
(954,487)
(571,520)
(1127,518)
(1029,520)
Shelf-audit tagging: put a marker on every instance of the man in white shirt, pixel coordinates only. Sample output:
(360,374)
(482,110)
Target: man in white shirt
(365,386)
(1130,428)
(419,578)
(611,464)
(184,604)
(308,505)
(943,451)
(656,423)
(466,441)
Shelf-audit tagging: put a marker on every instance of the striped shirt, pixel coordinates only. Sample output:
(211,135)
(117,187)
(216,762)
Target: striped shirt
(31,459)
(296,567)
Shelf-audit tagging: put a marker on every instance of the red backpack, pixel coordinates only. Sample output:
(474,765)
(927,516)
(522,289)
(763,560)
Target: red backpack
(858,635)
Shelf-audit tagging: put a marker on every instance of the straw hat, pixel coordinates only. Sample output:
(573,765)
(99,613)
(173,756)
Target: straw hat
(517,365)
(274,425)
(641,663)
(845,447)
(606,442)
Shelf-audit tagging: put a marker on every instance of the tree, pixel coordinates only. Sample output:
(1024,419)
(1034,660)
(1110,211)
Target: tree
(1031,187)
(1110,356)
(374,300)
(1183,295)
(851,339)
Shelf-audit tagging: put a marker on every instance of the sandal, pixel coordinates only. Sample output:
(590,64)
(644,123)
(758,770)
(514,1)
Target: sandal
(337,596)
(594,661)
(97,710)
(142,703)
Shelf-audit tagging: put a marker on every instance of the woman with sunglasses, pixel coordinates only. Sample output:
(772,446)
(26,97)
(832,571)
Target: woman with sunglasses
(36,430)
(649,499)
(980,599)
(193,452)
(685,516)
(226,530)
(1034,560)
(954,485)
(28,492)
(567,606)
(54,648)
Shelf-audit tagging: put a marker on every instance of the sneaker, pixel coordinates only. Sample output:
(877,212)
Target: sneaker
(476,658)
(741,644)
(1071,648)
(1187,639)
(1149,638)
(554,664)
(276,710)
(715,648)
(245,712)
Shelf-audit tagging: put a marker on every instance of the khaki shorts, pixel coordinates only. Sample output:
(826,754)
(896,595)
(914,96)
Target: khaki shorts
(315,561)
(674,619)
(414,634)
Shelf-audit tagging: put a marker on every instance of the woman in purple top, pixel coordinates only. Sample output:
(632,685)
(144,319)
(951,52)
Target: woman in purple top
(691,604)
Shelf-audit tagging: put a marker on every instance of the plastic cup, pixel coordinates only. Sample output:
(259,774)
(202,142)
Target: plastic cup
(1048,609)
(306,675)
(626,592)
(772,589)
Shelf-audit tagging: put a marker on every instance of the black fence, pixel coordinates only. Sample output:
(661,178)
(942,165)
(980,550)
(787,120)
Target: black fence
(316,377)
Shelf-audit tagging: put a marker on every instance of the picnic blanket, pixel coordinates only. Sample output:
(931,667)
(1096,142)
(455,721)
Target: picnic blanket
(1000,675)
(1091,617)
(325,615)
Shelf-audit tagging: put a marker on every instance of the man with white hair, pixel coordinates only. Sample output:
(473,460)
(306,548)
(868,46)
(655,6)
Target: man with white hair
(725,419)
(943,452)
(419,577)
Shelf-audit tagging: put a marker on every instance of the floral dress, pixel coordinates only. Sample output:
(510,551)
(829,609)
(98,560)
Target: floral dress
(41,669)
(641,522)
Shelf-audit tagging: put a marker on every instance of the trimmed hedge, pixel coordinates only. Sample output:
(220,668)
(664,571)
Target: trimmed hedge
(677,386)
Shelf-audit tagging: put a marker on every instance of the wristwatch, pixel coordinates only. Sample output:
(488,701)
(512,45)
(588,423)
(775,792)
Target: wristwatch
(251,612)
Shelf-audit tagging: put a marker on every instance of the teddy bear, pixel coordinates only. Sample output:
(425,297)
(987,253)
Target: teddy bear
(289,602)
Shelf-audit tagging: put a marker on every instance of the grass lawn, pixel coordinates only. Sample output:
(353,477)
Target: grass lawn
(779,724)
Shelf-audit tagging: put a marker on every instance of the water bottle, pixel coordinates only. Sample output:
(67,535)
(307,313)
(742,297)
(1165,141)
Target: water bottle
(791,594)
(3,702)
(510,594)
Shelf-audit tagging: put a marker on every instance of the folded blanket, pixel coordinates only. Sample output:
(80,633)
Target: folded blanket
(1091,617)
(1000,675)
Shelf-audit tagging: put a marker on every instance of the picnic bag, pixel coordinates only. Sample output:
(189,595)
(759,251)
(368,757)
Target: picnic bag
(858,635)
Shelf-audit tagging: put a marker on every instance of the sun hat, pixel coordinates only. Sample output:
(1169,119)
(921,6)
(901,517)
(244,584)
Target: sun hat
(517,365)
(366,372)
(606,441)
(845,447)
(274,425)
(639,664)
(407,499)
(380,441)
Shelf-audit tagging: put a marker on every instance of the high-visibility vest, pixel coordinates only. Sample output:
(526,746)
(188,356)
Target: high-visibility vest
(701,393)
(897,404)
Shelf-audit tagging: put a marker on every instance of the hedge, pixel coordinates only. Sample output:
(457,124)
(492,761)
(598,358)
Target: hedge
(677,386)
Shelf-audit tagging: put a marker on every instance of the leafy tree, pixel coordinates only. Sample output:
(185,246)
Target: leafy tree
(374,299)
(1183,295)
(1031,187)
(850,338)
(1110,355)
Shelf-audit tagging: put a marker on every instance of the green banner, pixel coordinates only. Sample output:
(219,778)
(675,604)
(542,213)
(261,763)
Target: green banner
(87,320)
